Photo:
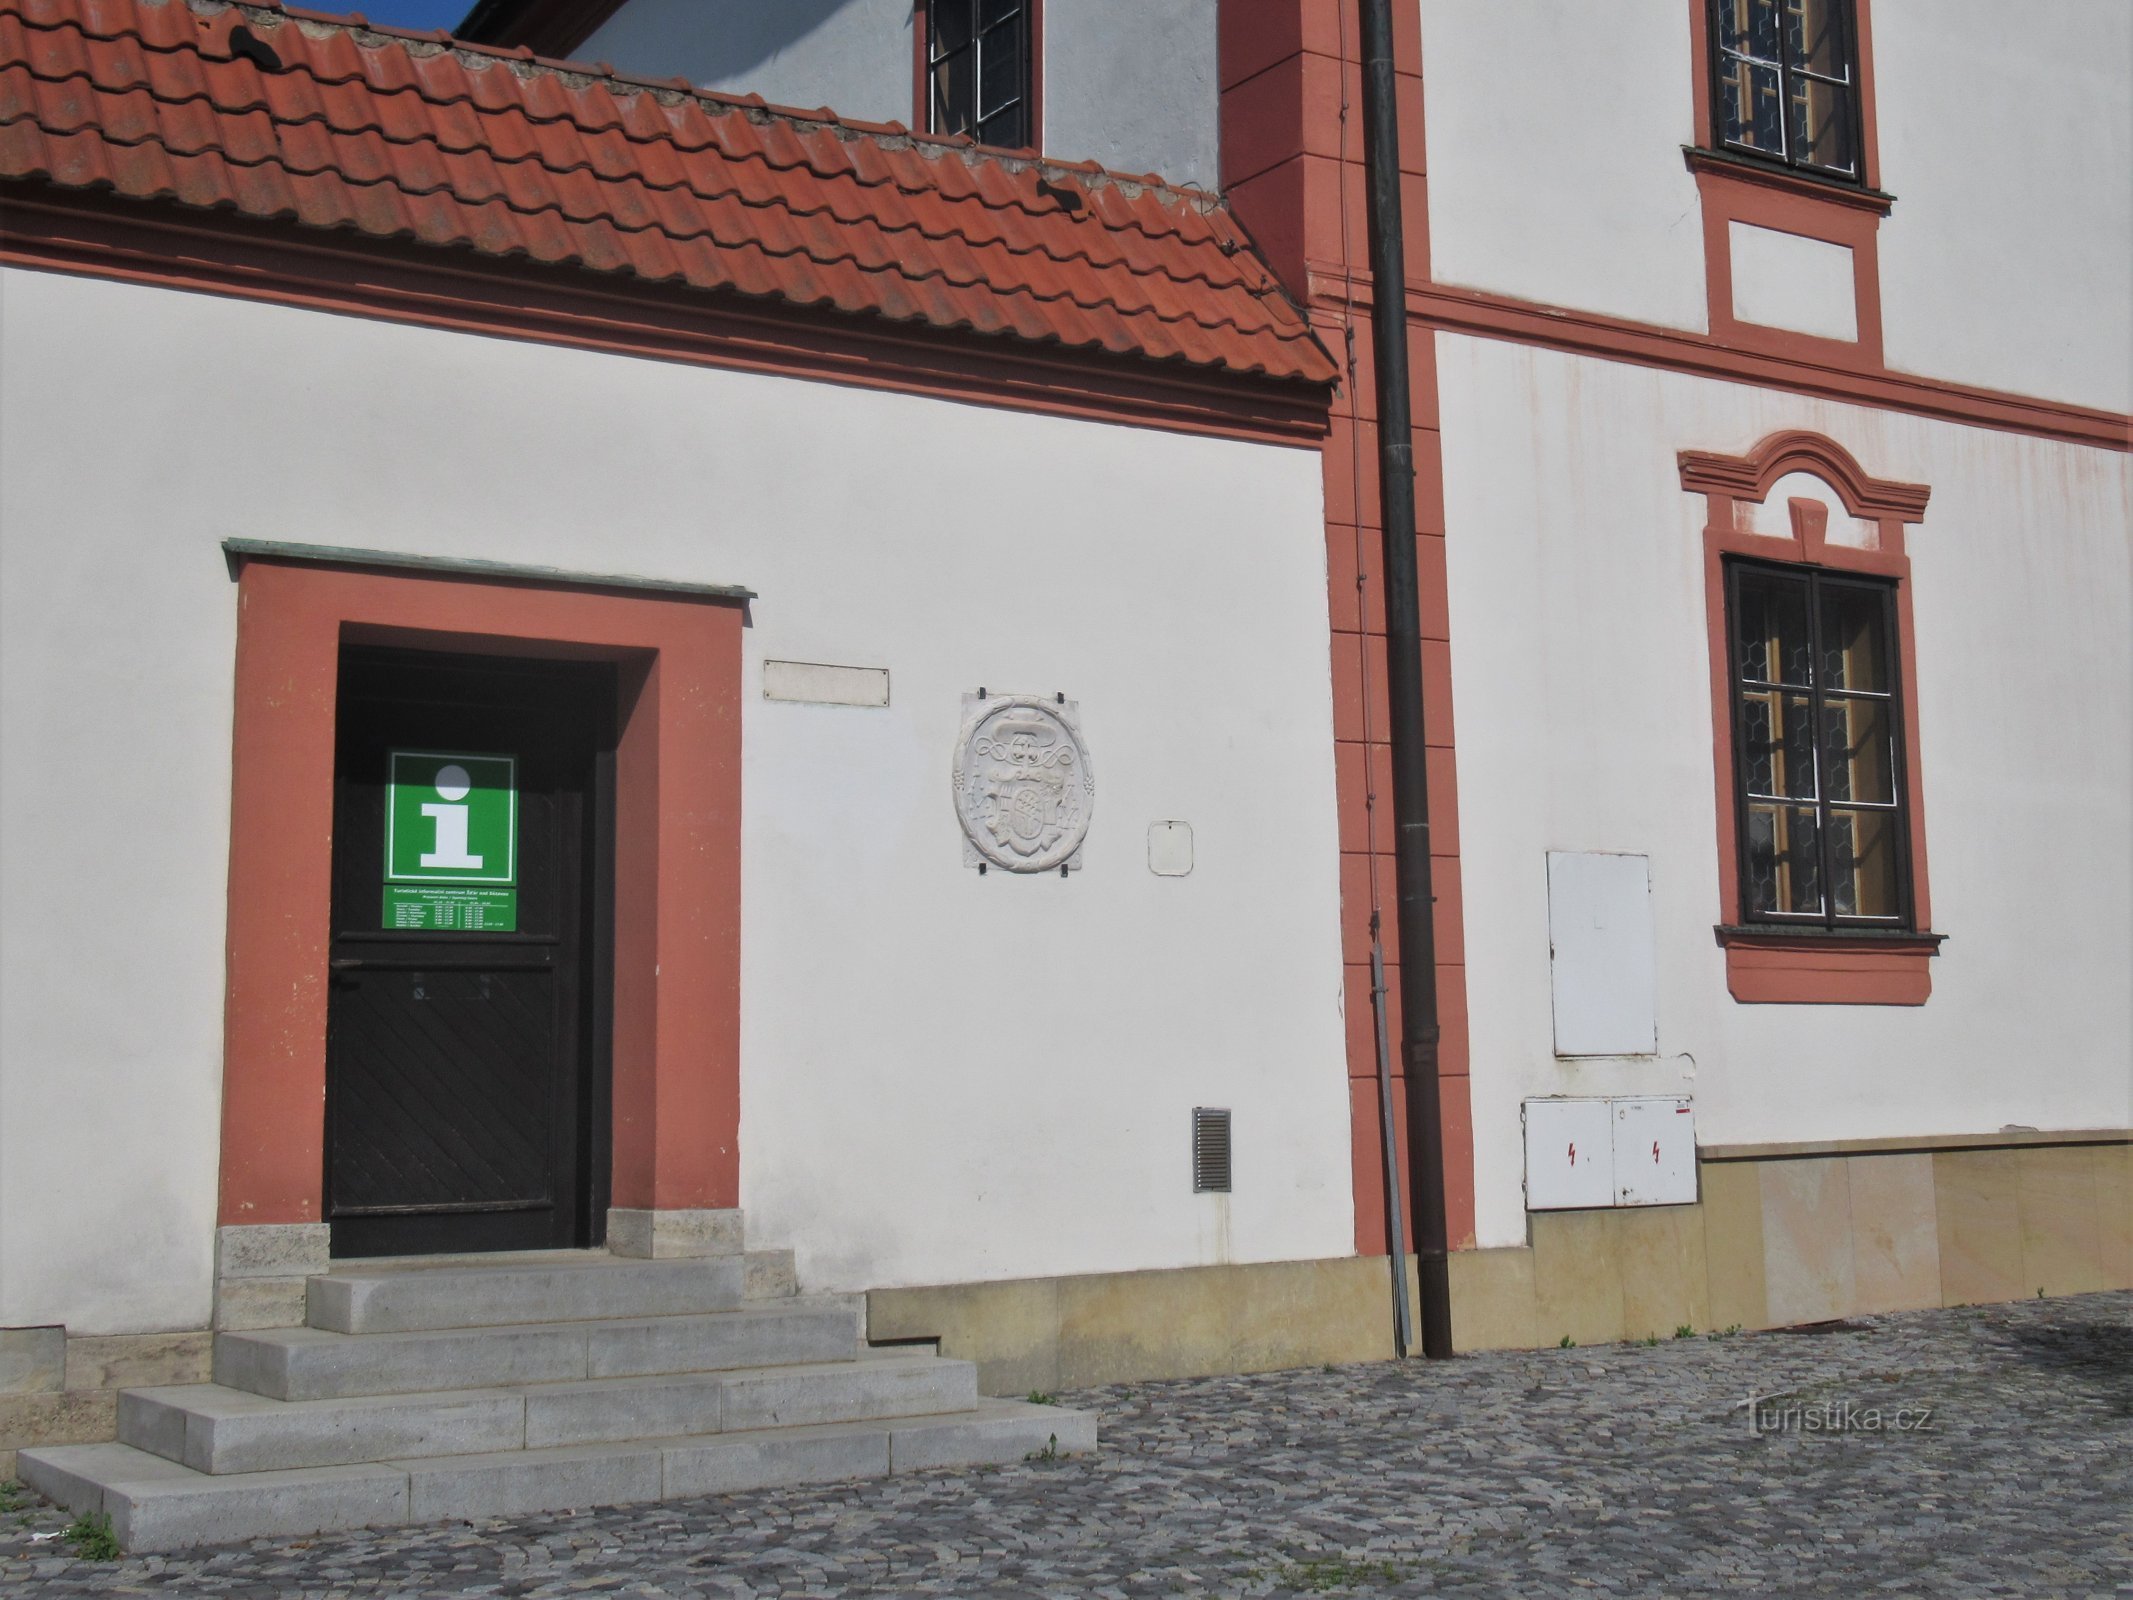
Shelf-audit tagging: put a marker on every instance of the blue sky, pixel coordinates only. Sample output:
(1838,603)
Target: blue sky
(403,13)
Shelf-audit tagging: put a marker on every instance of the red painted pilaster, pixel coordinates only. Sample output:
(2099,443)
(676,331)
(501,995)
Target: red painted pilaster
(1292,163)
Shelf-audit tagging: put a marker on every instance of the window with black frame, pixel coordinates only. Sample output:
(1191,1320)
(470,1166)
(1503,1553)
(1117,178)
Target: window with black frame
(1786,83)
(978,70)
(1817,749)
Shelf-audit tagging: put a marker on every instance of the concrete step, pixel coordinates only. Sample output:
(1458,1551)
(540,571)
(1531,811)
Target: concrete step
(774,1397)
(155,1504)
(406,1298)
(221,1431)
(769,1274)
(319,1364)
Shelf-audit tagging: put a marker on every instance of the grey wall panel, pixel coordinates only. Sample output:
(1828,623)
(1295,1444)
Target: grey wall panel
(854,56)
(1132,84)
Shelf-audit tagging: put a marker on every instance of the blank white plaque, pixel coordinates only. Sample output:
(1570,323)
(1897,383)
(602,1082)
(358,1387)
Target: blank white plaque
(1600,954)
(1170,849)
(819,683)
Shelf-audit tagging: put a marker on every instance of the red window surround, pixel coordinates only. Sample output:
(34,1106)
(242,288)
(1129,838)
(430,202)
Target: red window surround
(1739,189)
(1783,966)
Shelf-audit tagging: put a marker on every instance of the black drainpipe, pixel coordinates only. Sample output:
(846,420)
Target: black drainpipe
(1403,680)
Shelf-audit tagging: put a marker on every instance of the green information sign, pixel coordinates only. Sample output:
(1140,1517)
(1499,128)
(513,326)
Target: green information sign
(451,842)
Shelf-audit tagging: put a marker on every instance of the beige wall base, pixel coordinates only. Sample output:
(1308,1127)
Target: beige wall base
(1773,1241)
(75,1401)
(1066,1333)
(1778,1240)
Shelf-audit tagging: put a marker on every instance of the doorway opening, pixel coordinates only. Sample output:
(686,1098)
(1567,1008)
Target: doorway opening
(469,1015)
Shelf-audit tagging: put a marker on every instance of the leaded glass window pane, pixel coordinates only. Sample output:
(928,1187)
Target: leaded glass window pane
(1785,82)
(1778,745)
(1748,27)
(1784,861)
(1855,645)
(1815,37)
(1858,754)
(1822,125)
(1817,747)
(1773,629)
(1752,102)
(1863,862)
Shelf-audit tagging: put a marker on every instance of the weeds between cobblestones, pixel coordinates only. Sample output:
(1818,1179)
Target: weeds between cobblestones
(1623,1469)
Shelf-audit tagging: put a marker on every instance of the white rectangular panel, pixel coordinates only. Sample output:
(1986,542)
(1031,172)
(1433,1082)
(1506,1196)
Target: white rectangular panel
(1654,1152)
(1601,954)
(816,683)
(1569,1155)
(1782,280)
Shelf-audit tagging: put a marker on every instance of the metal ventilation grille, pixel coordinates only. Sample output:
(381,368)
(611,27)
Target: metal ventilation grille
(1210,1150)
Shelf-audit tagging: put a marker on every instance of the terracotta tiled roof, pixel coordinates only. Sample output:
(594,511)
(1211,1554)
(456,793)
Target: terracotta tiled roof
(407,136)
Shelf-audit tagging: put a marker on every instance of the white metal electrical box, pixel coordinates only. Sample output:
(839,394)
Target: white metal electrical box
(1655,1152)
(1588,1153)
(1569,1155)
(1601,954)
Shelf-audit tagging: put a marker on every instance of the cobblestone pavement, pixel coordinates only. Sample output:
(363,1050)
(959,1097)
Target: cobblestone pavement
(1621,1469)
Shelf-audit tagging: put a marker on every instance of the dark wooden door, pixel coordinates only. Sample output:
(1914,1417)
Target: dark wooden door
(465,1068)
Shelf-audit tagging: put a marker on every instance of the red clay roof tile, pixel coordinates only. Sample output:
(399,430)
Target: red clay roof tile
(401,135)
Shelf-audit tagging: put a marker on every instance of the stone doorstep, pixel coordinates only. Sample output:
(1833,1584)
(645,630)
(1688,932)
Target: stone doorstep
(318,1364)
(155,1504)
(400,1299)
(261,1269)
(229,1432)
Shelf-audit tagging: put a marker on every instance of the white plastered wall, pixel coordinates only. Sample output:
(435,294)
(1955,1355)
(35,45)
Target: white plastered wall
(1582,696)
(1555,171)
(2005,133)
(2007,137)
(945,1077)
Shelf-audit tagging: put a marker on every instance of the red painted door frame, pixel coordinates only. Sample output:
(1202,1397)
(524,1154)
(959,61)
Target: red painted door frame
(677,863)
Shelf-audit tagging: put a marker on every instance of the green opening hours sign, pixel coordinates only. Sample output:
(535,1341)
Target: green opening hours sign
(451,842)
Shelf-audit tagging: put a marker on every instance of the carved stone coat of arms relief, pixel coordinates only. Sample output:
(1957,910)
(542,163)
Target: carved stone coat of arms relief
(1024,788)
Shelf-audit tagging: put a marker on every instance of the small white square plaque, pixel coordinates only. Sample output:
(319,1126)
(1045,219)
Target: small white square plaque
(1170,849)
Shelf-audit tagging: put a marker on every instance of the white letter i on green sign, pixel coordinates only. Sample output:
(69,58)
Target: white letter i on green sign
(453,783)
